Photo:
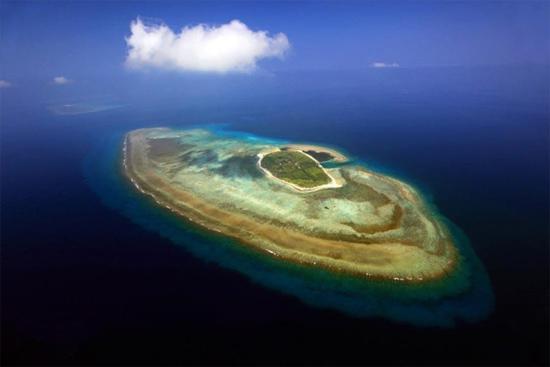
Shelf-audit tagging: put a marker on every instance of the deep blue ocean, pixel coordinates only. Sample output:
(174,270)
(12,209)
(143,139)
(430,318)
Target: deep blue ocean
(84,282)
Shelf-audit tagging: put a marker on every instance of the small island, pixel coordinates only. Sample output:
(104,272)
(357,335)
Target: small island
(282,200)
(295,167)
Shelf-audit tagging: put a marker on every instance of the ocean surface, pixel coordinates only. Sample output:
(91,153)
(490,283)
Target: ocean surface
(88,280)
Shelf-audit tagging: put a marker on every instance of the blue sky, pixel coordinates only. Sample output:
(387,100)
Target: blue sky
(76,39)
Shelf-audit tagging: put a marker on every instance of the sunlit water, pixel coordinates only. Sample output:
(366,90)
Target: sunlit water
(87,262)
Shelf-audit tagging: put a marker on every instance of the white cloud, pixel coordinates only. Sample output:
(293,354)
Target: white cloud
(60,80)
(384,65)
(4,84)
(231,47)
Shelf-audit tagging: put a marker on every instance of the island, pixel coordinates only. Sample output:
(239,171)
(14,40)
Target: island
(288,202)
(295,167)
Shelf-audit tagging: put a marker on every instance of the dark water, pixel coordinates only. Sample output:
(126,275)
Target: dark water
(82,283)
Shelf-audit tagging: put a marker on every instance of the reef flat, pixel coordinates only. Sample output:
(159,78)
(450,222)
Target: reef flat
(361,223)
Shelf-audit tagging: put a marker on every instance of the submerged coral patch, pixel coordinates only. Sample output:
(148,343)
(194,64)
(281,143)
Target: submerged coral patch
(346,219)
(371,247)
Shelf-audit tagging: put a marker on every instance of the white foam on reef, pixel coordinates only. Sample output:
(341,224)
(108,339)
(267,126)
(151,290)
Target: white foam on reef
(82,108)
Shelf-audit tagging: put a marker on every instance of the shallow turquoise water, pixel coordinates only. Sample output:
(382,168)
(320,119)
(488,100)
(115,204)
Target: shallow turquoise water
(418,305)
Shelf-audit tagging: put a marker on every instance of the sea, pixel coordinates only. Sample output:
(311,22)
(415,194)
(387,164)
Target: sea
(92,273)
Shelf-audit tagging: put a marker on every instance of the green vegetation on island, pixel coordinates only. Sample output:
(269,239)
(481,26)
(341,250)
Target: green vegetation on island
(320,156)
(295,167)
